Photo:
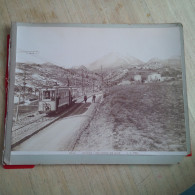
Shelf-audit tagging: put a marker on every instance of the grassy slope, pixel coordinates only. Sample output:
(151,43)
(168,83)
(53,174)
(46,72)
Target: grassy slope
(143,117)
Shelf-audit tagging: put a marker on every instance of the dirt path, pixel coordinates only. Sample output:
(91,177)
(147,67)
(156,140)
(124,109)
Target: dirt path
(61,135)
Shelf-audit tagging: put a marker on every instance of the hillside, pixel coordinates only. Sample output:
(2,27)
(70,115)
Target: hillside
(110,70)
(32,77)
(114,60)
(156,63)
(141,117)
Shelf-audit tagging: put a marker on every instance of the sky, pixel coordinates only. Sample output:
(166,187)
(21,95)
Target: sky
(75,46)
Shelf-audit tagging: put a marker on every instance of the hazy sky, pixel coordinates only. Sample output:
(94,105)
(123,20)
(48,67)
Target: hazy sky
(70,46)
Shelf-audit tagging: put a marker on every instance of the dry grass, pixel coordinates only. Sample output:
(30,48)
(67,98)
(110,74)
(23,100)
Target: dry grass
(146,116)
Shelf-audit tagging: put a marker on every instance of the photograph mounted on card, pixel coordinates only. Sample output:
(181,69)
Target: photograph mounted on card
(96,94)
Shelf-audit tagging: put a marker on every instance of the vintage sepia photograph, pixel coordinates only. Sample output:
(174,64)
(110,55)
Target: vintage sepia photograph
(114,88)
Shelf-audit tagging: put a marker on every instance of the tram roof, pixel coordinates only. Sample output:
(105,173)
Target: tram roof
(54,88)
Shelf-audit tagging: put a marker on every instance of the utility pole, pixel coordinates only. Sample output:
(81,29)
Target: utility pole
(102,76)
(17,108)
(68,82)
(82,81)
(24,84)
(93,84)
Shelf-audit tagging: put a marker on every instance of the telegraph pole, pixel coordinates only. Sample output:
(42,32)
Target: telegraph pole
(82,81)
(93,82)
(68,82)
(29,52)
(17,108)
(24,84)
(102,76)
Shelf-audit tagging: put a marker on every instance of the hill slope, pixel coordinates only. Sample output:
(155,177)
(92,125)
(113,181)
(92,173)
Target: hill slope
(113,60)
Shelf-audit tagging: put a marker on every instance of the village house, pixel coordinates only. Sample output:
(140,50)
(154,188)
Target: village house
(154,77)
(137,78)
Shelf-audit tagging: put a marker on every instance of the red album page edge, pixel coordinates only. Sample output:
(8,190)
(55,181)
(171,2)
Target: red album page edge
(6,93)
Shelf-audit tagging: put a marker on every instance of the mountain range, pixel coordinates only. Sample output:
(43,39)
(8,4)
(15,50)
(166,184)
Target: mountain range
(113,60)
(116,60)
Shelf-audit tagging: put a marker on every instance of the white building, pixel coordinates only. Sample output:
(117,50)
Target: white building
(154,77)
(138,78)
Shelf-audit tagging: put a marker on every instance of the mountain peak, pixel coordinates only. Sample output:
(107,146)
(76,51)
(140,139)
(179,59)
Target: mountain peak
(81,67)
(113,60)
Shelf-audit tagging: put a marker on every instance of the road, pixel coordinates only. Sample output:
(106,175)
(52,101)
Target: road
(61,135)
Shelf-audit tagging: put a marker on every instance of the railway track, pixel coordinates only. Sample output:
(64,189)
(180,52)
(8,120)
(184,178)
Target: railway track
(41,123)
(25,131)
(41,118)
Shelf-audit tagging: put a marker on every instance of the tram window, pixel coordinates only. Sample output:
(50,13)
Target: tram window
(61,95)
(46,94)
(52,95)
(40,96)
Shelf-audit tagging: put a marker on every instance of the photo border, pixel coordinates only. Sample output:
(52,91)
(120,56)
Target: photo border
(113,157)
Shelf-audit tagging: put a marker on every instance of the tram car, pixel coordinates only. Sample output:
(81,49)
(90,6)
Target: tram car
(55,99)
